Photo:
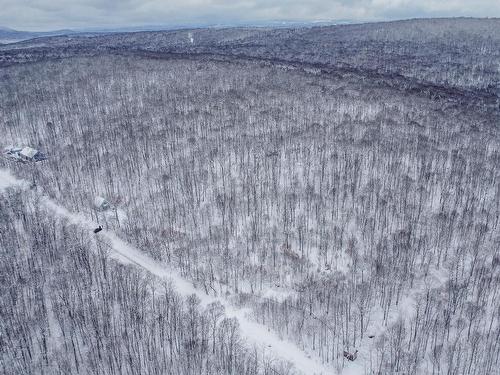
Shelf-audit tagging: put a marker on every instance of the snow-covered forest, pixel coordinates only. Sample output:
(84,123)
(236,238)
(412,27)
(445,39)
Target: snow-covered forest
(334,202)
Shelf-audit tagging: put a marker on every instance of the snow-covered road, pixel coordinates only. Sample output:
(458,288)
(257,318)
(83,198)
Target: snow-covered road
(123,252)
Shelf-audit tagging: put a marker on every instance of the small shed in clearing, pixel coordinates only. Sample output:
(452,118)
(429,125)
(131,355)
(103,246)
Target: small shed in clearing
(101,204)
(31,154)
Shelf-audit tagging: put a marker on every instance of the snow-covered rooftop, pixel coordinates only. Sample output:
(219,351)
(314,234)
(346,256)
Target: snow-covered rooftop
(29,152)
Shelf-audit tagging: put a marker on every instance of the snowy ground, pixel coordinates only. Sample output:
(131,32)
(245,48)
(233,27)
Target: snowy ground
(123,252)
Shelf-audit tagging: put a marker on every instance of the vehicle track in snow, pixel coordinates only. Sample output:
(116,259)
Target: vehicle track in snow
(255,333)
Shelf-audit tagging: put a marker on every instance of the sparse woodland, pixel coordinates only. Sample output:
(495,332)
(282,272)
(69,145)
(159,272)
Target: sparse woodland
(67,308)
(344,213)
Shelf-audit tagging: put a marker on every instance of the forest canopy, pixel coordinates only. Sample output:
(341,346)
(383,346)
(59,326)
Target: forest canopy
(343,203)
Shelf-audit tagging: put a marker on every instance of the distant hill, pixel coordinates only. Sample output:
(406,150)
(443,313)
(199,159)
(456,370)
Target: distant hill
(451,52)
(8,35)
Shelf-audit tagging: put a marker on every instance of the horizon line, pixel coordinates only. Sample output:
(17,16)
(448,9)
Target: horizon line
(227,24)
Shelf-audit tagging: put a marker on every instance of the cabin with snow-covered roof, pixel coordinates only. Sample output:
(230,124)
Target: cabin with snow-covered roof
(24,154)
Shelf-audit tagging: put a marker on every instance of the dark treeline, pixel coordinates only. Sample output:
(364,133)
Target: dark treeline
(455,52)
(335,209)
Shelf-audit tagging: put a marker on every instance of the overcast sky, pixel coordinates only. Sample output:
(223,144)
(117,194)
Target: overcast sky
(56,14)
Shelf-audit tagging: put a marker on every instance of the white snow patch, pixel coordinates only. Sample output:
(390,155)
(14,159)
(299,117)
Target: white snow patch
(278,295)
(7,180)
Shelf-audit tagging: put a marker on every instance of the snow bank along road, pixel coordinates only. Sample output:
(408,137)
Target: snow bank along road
(123,252)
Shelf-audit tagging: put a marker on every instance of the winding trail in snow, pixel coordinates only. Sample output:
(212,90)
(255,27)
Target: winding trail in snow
(255,333)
